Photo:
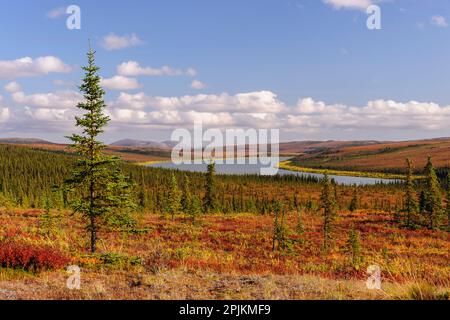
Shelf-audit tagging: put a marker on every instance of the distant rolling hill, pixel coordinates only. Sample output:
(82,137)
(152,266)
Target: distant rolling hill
(24,141)
(384,156)
(143,144)
(367,155)
(298,147)
(131,154)
(295,147)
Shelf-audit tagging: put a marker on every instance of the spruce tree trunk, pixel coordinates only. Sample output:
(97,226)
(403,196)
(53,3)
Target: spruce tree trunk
(430,224)
(92,218)
(448,219)
(93,236)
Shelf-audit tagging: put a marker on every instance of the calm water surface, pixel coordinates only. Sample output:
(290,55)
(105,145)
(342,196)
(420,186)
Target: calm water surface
(243,169)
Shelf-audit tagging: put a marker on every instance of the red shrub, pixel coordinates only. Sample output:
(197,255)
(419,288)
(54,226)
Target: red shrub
(30,258)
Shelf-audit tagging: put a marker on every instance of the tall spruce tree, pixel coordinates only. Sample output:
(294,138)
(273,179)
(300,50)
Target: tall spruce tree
(300,228)
(422,202)
(433,197)
(195,208)
(279,229)
(186,198)
(411,205)
(336,195)
(142,196)
(102,193)
(209,202)
(354,248)
(329,211)
(354,201)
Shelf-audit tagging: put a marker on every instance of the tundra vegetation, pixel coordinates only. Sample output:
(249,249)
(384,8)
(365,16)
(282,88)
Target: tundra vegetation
(148,233)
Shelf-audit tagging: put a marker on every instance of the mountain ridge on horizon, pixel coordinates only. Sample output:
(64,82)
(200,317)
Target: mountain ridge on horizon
(285,146)
(15,140)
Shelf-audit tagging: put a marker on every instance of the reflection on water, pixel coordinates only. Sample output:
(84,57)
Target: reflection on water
(243,169)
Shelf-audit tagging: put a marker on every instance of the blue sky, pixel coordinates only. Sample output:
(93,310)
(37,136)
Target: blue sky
(311,68)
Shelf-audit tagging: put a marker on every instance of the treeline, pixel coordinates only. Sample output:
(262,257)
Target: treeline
(31,178)
(428,206)
(28,176)
(147,152)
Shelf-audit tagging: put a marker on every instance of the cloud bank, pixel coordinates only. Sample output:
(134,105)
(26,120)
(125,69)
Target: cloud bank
(260,109)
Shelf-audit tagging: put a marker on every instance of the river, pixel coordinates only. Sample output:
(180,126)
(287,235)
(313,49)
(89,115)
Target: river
(246,169)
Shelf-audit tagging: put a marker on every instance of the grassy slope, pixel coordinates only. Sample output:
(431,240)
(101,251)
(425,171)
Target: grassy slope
(385,157)
(300,147)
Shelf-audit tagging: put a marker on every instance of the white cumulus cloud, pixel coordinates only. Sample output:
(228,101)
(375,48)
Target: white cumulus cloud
(12,87)
(252,102)
(29,67)
(120,83)
(439,21)
(349,4)
(52,100)
(4,114)
(115,42)
(259,109)
(56,13)
(376,114)
(133,69)
(49,115)
(196,84)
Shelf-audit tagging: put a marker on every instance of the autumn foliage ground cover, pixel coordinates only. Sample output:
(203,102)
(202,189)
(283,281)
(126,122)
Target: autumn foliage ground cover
(381,157)
(224,256)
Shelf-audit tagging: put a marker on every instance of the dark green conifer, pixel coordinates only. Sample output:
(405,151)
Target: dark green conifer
(174,200)
(329,211)
(209,202)
(433,197)
(411,206)
(101,193)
